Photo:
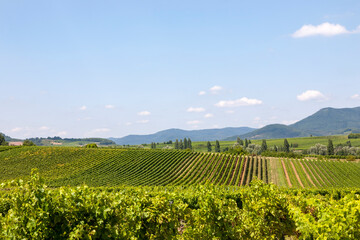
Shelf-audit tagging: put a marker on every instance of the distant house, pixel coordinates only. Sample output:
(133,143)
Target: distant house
(56,143)
(15,143)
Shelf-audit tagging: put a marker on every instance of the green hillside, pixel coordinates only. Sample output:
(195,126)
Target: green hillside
(302,142)
(330,121)
(326,121)
(273,131)
(112,167)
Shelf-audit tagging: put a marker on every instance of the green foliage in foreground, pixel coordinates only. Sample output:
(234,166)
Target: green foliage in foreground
(32,211)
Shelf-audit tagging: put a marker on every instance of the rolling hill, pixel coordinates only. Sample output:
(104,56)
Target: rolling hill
(272,131)
(326,121)
(330,121)
(173,134)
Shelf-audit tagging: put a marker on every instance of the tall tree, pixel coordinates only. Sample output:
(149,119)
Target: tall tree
(217,146)
(286,145)
(176,144)
(246,143)
(185,143)
(181,145)
(239,141)
(330,148)
(2,139)
(209,146)
(189,143)
(263,145)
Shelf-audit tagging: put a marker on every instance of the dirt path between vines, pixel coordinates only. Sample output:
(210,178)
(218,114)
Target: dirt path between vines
(219,161)
(184,169)
(313,174)
(243,173)
(325,174)
(296,174)
(286,174)
(307,175)
(234,170)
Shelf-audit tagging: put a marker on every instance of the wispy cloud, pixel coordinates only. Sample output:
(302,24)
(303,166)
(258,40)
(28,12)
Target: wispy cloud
(193,122)
(17,129)
(208,115)
(325,29)
(44,128)
(143,121)
(355,97)
(83,108)
(100,130)
(195,109)
(144,113)
(62,133)
(215,89)
(238,102)
(109,106)
(201,93)
(311,95)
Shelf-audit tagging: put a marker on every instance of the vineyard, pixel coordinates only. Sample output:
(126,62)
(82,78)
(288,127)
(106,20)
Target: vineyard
(30,210)
(63,166)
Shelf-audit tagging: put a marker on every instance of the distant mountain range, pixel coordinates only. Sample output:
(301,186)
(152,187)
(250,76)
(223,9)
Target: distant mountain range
(327,121)
(173,134)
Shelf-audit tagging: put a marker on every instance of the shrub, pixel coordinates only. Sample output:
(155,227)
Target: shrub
(91,145)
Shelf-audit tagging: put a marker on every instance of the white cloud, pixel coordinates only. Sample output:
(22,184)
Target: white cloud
(143,121)
(195,109)
(202,93)
(215,89)
(357,30)
(83,108)
(208,115)
(215,126)
(194,122)
(109,106)
(311,95)
(355,97)
(325,29)
(17,129)
(230,111)
(144,113)
(101,130)
(44,128)
(244,101)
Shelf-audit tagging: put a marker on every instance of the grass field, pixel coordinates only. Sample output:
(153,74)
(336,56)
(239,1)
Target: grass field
(303,143)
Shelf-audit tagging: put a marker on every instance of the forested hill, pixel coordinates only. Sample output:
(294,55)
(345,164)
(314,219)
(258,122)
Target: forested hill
(326,121)
(330,121)
(173,134)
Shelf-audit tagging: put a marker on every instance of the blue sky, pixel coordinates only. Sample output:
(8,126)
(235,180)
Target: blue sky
(112,68)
